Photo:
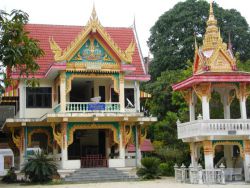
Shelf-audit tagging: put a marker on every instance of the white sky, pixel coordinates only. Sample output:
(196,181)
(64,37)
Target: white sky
(116,13)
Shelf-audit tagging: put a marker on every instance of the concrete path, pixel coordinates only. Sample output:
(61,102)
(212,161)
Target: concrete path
(162,183)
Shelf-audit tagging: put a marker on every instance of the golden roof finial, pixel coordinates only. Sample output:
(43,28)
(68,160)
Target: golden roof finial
(211,11)
(93,14)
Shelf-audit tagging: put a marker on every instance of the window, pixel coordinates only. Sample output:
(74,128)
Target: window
(129,98)
(38,97)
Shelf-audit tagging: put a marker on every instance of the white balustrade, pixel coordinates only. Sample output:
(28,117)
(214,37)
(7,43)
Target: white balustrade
(199,175)
(85,107)
(214,127)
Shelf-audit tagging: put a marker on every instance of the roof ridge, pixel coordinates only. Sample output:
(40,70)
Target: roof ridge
(63,25)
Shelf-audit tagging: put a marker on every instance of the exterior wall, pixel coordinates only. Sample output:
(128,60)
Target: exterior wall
(33,112)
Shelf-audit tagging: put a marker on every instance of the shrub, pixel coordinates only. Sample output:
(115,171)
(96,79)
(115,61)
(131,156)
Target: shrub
(10,177)
(40,168)
(149,169)
(166,169)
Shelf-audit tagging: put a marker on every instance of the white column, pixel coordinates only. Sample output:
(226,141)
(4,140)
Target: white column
(138,146)
(247,167)
(64,147)
(209,161)
(121,93)
(205,107)
(243,110)
(22,101)
(193,153)
(121,148)
(137,96)
(208,154)
(63,91)
(226,105)
(192,108)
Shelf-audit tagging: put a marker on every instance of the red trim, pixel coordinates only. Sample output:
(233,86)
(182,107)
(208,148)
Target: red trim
(139,78)
(195,79)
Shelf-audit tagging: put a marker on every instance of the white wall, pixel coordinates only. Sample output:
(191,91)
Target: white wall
(33,112)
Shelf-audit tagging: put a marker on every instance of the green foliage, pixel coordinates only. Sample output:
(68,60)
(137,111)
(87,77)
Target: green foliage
(10,177)
(166,169)
(149,169)
(172,37)
(40,168)
(17,50)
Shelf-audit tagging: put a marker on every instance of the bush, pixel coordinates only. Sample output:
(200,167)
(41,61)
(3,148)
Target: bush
(149,169)
(10,177)
(40,168)
(166,169)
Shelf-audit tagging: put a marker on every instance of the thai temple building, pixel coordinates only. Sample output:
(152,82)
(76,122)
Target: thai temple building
(86,109)
(224,142)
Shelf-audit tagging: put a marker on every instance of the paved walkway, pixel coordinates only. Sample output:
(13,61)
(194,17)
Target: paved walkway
(162,183)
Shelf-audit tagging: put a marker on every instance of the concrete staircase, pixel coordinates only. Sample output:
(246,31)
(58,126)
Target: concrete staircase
(101,175)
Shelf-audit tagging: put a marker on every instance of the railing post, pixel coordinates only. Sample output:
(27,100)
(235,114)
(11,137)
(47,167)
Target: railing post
(222,167)
(175,172)
(183,173)
(200,181)
(191,176)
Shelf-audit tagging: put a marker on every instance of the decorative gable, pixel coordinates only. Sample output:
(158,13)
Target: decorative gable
(93,27)
(92,51)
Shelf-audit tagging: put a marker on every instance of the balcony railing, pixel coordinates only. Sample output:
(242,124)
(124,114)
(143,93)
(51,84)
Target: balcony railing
(213,127)
(89,107)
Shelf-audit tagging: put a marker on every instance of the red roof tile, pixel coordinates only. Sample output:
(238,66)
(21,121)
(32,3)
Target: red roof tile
(64,35)
(146,146)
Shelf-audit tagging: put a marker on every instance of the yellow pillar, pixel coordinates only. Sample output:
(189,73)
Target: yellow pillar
(63,91)
(121,93)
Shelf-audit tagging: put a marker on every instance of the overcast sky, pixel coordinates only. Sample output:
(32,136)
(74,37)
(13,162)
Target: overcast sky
(115,13)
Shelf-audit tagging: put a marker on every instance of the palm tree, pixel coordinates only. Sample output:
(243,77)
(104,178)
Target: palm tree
(40,167)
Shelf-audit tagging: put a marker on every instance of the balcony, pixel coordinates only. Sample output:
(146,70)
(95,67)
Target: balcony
(214,127)
(85,107)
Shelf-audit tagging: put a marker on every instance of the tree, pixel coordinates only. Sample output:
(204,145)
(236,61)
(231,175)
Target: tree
(17,50)
(172,37)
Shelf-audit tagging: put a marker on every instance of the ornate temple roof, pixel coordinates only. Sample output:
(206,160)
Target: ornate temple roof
(57,41)
(214,60)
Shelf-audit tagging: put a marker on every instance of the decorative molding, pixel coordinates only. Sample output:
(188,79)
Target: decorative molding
(244,91)
(64,126)
(247,147)
(18,140)
(92,75)
(42,131)
(57,135)
(92,126)
(203,89)
(229,143)
(128,134)
(187,95)
(143,135)
(208,147)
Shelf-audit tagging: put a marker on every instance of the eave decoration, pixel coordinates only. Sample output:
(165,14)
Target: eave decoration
(93,26)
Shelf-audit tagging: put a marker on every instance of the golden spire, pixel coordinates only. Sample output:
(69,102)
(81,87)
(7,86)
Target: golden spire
(212,35)
(93,14)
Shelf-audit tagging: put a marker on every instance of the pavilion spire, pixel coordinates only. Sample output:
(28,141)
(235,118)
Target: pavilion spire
(212,35)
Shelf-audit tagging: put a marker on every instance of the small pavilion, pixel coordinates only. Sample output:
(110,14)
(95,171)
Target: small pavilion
(221,141)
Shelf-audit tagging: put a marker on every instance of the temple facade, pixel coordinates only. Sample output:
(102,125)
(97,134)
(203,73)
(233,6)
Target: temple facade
(216,142)
(86,109)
